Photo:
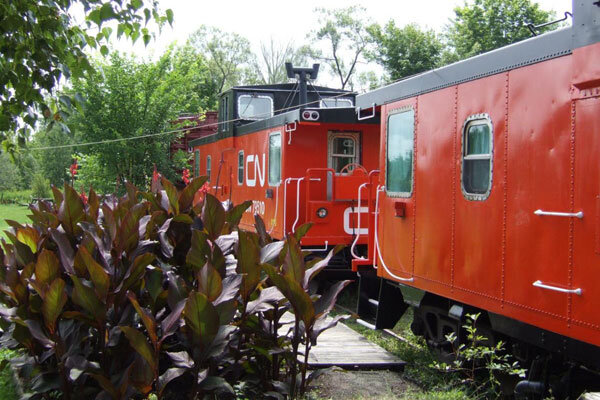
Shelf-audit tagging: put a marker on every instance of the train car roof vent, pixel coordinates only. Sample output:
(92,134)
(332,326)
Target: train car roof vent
(303,74)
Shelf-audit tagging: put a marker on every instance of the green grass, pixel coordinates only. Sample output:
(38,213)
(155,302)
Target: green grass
(8,390)
(433,383)
(12,211)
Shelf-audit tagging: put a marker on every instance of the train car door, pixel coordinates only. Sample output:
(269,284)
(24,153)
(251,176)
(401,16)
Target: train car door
(395,228)
(586,230)
(539,182)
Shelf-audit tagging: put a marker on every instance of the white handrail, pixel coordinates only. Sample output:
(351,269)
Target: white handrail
(377,250)
(297,203)
(542,285)
(559,214)
(360,188)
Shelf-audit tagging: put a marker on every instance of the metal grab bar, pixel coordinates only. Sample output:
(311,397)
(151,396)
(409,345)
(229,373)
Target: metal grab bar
(376,250)
(358,110)
(539,284)
(290,130)
(559,214)
(360,188)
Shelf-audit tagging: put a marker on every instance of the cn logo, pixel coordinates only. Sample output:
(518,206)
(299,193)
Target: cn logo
(350,230)
(258,170)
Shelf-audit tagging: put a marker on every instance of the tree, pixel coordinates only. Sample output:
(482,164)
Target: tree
(271,67)
(346,38)
(128,99)
(41,44)
(485,25)
(228,56)
(53,162)
(10,177)
(404,51)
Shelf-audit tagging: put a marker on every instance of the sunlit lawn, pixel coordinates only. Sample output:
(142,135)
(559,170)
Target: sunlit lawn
(12,211)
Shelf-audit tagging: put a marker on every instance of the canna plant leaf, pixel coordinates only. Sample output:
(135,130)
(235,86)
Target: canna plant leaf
(71,211)
(234,216)
(98,275)
(209,282)
(248,256)
(293,263)
(171,192)
(146,317)
(202,318)
(295,293)
(186,197)
(138,341)
(54,301)
(86,298)
(199,250)
(302,230)
(47,268)
(213,217)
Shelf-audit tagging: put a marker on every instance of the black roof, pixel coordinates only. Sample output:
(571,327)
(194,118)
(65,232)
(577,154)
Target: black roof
(530,51)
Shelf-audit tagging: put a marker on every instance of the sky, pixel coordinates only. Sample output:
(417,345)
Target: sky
(287,21)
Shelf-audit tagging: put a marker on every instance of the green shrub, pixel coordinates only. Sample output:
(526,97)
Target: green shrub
(117,298)
(15,197)
(479,361)
(40,187)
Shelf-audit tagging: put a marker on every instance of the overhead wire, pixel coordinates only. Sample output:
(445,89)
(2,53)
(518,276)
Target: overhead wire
(184,129)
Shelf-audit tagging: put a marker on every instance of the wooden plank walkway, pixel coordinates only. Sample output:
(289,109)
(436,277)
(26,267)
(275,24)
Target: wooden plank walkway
(343,347)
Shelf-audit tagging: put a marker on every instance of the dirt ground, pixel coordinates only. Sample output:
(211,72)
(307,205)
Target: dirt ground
(362,385)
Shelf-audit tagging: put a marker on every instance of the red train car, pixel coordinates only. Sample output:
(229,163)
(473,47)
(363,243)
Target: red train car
(300,155)
(488,197)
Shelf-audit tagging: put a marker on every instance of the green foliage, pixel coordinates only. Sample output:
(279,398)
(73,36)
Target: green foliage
(10,176)
(229,57)
(344,31)
(479,361)
(40,187)
(127,98)
(53,163)
(41,44)
(484,25)
(119,297)
(404,51)
(8,390)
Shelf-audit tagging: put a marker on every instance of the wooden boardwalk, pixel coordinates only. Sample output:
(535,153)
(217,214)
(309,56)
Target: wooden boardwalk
(343,347)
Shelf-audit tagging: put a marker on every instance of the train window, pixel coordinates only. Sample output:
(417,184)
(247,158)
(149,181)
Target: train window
(197,163)
(477,157)
(275,158)
(208,166)
(255,107)
(336,103)
(399,152)
(343,150)
(240,167)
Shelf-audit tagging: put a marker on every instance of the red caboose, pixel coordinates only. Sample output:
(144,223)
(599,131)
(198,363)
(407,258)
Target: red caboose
(488,197)
(300,155)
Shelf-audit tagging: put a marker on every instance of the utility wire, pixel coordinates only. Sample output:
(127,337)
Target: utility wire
(174,130)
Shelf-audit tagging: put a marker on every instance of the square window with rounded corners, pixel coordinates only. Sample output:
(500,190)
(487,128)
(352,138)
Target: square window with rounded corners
(343,151)
(477,157)
(400,143)
(255,107)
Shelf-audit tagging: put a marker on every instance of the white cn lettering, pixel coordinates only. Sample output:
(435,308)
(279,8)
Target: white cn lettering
(250,182)
(258,170)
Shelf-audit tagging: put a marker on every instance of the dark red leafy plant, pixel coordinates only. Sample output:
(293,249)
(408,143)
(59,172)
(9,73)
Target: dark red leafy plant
(116,298)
